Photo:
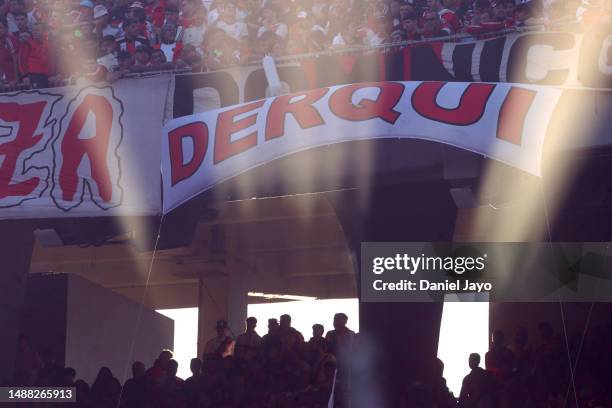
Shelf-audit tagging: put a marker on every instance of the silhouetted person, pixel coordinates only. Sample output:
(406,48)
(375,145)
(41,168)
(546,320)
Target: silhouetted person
(83,394)
(272,328)
(550,361)
(68,376)
(319,356)
(172,370)
(440,395)
(195,366)
(249,342)
(135,389)
(270,340)
(499,360)
(341,338)
(290,337)
(211,393)
(478,387)
(171,395)
(106,388)
(325,380)
(340,344)
(157,373)
(192,384)
(222,344)
(522,352)
(317,336)
(515,392)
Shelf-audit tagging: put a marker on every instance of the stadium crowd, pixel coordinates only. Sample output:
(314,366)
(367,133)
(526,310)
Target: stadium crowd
(280,369)
(46,43)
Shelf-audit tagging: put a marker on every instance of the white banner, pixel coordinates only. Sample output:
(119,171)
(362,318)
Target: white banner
(82,151)
(503,121)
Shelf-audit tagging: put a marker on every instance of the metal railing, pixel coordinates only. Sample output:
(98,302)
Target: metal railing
(569,25)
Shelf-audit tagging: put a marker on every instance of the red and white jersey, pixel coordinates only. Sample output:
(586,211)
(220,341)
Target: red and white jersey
(171,51)
(450,22)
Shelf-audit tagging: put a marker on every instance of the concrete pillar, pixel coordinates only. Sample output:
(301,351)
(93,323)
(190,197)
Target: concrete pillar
(212,306)
(238,300)
(16,243)
(402,337)
(222,297)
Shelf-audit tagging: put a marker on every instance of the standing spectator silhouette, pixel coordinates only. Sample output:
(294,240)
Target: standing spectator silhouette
(272,327)
(222,344)
(248,343)
(83,394)
(106,388)
(478,387)
(270,339)
(170,393)
(135,389)
(192,384)
(340,344)
(318,356)
(155,374)
(522,352)
(523,367)
(551,366)
(341,338)
(289,336)
(499,360)
(440,395)
(67,377)
(317,337)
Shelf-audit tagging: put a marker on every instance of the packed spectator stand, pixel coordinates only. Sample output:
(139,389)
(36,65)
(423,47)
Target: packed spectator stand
(46,43)
(541,369)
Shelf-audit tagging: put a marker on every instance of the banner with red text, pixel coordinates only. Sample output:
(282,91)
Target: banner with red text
(82,151)
(533,58)
(502,121)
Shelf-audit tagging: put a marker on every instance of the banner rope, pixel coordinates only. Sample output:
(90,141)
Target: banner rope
(140,309)
(560,302)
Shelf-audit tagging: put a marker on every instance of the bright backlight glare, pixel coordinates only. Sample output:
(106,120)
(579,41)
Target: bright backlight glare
(185,337)
(305,313)
(464,330)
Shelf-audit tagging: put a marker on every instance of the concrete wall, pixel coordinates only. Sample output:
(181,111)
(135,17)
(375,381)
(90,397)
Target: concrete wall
(88,326)
(16,241)
(43,318)
(105,328)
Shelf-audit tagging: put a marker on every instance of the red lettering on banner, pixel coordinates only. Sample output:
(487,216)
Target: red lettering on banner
(28,117)
(226,127)
(303,112)
(94,146)
(513,113)
(341,102)
(198,132)
(471,106)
